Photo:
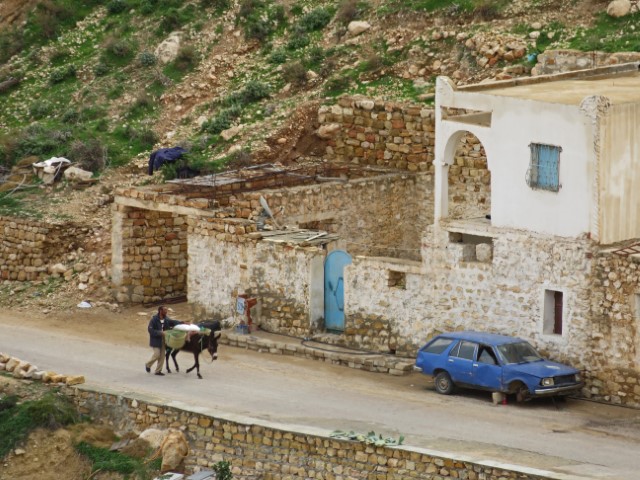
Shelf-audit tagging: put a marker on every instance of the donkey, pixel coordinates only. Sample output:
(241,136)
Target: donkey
(195,344)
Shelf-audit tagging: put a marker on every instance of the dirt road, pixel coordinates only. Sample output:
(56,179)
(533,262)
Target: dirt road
(579,438)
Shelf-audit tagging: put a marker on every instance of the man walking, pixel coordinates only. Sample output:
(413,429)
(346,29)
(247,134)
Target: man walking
(159,323)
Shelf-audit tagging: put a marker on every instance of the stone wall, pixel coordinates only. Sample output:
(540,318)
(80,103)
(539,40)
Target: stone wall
(152,254)
(614,369)
(469,180)
(258,451)
(379,216)
(29,248)
(279,276)
(559,61)
(376,132)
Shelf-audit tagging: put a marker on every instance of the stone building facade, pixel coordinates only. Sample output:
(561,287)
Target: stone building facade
(441,242)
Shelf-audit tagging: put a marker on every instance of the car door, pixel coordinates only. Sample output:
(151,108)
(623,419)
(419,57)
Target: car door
(487,371)
(461,360)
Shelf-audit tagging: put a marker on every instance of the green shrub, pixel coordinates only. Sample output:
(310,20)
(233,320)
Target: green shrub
(337,85)
(347,12)
(70,116)
(260,19)
(314,58)
(298,40)
(58,55)
(60,74)
(118,47)
(100,69)
(116,6)
(187,58)
(105,460)
(223,470)
(222,121)
(254,91)
(174,18)
(278,57)
(91,154)
(40,109)
(147,59)
(218,5)
(315,20)
(295,74)
(11,42)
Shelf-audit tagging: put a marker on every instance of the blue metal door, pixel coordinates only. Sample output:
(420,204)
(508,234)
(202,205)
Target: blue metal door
(334,289)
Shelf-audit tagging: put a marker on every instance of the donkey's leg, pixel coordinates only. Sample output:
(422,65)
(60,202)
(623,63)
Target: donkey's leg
(196,365)
(167,352)
(174,354)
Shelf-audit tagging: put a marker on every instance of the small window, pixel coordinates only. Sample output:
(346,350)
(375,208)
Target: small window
(438,346)
(552,315)
(467,350)
(397,279)
(544,167)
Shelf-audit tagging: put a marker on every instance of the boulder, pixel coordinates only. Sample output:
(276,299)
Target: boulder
(153,436)
(619,8)
(229,133)
(75,380)
(357,27)
(175,449)
(167,51)
(75,174)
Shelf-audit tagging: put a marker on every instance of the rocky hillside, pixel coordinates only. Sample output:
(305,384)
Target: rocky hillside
(104,83)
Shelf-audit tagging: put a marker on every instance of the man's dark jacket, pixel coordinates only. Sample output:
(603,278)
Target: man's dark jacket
(156,327)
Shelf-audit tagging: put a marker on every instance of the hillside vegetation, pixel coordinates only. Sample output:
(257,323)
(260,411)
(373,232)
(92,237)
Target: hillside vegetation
(104,83)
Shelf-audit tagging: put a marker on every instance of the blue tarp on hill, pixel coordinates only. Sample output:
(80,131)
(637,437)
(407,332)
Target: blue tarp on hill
(164,155)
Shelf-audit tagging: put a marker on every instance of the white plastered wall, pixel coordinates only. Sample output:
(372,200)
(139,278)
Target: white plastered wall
(515,124)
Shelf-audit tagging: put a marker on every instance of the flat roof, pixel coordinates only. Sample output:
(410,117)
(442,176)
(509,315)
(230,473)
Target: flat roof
(618,89)
(619,83)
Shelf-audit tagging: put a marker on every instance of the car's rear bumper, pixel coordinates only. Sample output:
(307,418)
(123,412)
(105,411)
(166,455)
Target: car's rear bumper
(559,390)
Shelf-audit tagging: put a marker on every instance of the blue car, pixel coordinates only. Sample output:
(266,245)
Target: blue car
(496,363)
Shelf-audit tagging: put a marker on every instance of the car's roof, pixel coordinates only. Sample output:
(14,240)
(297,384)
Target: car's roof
(482,337)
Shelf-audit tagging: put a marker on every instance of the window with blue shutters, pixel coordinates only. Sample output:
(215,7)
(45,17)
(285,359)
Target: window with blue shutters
(544,169)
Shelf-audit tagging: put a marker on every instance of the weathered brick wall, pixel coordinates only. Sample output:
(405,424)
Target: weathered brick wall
(559,61)
(268,453)
(29,247)
(154,255)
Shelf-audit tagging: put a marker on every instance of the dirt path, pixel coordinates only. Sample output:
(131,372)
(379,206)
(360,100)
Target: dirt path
(109,349)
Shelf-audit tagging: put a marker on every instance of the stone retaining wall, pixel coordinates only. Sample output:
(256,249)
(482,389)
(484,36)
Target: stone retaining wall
(560,61)
(376,132)
(269,453)
(29,248)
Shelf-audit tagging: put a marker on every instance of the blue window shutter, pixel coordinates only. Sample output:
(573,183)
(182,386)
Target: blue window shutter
(544,169)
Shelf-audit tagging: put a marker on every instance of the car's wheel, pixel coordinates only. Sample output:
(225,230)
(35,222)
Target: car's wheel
(522,394)
(444,384)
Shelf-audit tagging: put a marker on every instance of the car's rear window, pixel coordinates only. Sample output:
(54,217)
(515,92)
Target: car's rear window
(439,345)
